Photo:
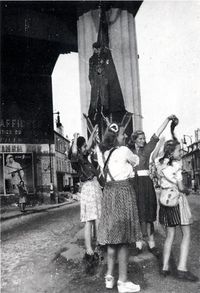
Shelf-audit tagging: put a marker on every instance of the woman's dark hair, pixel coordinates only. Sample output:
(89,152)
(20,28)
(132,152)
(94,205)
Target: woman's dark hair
(170,145)
(109,140)
(169,148)
(134,136)
(80,142)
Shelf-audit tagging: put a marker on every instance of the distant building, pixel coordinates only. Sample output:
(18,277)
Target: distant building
(191,165)
(42,166)
(64,172)
(197,134)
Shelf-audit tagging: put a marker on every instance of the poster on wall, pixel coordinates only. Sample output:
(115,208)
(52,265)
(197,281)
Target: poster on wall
(18,168)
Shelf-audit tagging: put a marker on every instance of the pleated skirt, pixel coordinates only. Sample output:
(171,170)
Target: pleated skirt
(119,221)
(169,216)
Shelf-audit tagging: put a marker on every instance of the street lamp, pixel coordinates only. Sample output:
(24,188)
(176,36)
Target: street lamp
(58,123)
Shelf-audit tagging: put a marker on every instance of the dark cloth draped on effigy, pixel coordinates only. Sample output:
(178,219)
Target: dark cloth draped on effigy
(106,93)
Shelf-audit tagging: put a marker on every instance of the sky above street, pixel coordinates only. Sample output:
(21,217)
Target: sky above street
(168,46)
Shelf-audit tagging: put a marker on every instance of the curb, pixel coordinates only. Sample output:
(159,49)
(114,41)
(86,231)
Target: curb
(75,251)
(40,210)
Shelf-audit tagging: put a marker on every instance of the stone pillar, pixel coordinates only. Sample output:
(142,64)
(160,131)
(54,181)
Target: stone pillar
(123,45)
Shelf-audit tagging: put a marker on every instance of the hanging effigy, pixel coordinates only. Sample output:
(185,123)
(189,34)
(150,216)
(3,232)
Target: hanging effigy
(106,102)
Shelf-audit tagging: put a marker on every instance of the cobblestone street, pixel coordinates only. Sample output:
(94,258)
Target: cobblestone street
(30,246)
(33,249)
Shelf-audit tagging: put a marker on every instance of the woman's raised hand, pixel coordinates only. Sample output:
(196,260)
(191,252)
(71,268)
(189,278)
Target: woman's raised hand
(172,117)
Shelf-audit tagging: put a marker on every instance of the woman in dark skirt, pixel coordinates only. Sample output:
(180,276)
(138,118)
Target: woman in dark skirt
(170,174)
(145,192)
(119,221)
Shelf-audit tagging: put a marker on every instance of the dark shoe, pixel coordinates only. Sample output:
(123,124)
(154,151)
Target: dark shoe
(165,273)
(96,257)
(155,251)
(99,252)
(138,251)
(90,262)
(186,276)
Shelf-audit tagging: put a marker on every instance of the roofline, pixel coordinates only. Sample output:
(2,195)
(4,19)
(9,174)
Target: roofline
(57,133)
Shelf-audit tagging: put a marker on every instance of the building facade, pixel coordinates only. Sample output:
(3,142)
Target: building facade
(38,165)
(64,172)
(191,166)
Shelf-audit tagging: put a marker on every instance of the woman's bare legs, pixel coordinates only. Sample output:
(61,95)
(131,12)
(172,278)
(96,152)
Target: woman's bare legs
(168,246)
(151,240)
(123,262)
(111,255)
(184,248)
(88,237)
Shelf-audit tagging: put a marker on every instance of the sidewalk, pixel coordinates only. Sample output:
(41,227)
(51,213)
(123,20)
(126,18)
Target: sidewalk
(76,248)
(14,212)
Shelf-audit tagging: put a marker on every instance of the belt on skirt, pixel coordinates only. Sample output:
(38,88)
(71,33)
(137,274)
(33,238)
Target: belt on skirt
(170,187)
(143,173)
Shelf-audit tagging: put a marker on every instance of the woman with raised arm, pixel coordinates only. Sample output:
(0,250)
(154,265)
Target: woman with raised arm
(145,192)
(90,191)
(174,208)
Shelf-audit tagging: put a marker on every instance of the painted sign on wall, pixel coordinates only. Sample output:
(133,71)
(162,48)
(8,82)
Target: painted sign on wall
(26,109)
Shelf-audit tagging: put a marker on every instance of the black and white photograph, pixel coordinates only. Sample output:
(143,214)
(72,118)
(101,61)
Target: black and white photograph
(100,146)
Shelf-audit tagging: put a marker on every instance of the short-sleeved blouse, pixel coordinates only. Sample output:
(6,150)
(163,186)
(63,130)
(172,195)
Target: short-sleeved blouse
(121,163)
(169,175)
